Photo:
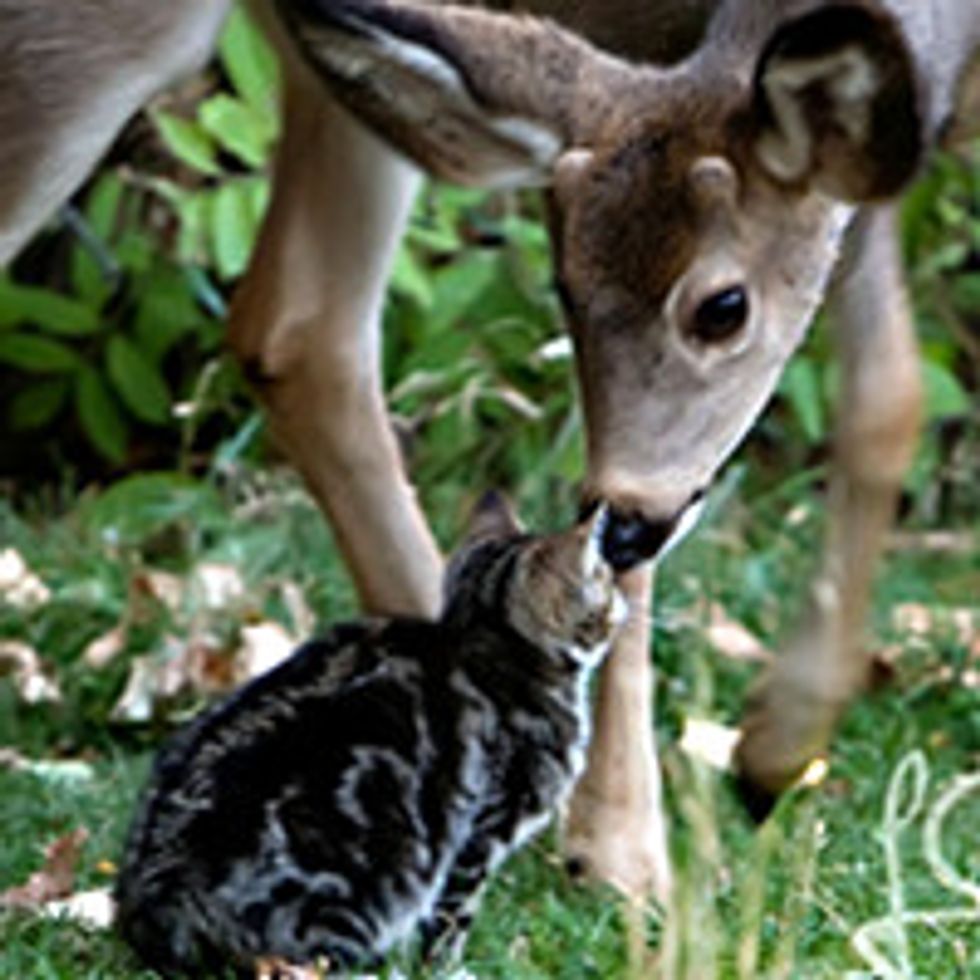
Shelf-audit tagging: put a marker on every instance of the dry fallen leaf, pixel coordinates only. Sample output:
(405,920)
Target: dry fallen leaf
(137,703)
(12,759)
(95,909)
(276,969)
(710,742)
(731,639)
(19,586)
(913,617)
(104,649)
(935,542)
(155,679)
(263,646)
(55,880)
(920,620)
(217,586)
(164,587)
(22,663)
(200,664)
(301,617)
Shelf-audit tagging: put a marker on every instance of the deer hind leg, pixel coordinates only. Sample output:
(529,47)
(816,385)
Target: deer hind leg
(615,830)
(791,717)
(305,325)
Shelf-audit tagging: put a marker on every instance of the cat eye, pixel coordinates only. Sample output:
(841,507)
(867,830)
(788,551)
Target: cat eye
(720,317)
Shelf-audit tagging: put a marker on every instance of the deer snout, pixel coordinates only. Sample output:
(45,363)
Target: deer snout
(631,537)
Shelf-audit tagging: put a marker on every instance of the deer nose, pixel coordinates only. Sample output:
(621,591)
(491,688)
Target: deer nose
(630,539)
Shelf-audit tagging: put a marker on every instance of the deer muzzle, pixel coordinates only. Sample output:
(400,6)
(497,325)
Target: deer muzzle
(631,537)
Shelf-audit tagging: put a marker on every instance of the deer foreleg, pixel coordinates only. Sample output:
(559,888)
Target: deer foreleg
(615,828)
(305,326)
(791,718)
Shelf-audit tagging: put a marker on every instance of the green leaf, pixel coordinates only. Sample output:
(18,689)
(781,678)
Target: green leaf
(36,355)
(238,128)
(136,250)
(104,203)
(101,212)
(46,310)
(188,142)
(102,422)
(140,506)
(36,406)
(966,292)
(250,62)
(801,387)
(946,257)
(944,395)
(232,450)
(433,238)
(167,311)
(459,287)
(259,193)
(193,210)
(409,279)
(234,226)
(136,380)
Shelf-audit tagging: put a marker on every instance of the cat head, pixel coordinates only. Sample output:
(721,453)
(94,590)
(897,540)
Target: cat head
(556,590)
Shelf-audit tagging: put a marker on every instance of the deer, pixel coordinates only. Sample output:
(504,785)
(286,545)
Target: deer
(713,170)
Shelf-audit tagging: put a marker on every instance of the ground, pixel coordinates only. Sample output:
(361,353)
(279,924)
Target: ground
(799,899)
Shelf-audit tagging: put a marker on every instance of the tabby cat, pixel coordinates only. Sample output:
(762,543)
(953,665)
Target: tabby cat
(356,797)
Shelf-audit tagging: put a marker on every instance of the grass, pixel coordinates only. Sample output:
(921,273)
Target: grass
(789,902)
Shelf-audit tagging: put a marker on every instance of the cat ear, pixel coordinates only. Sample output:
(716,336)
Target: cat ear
(591,532)
(493,517)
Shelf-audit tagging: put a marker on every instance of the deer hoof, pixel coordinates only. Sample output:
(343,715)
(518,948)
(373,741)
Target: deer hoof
(624,850)
(758,801)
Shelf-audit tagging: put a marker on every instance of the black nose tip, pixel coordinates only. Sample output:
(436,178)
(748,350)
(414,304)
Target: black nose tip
(630,539)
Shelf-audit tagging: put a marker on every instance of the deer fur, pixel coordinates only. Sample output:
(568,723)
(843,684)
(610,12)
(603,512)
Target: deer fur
(706,162)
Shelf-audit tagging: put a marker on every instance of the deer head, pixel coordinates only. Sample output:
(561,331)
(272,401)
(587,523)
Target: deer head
(696,211)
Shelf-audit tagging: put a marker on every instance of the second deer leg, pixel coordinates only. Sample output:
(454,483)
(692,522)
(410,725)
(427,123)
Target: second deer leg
(306,327)
(615,828)
(792,716)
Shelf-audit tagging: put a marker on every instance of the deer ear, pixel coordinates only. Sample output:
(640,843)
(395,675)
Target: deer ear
(473,97)
(838,105)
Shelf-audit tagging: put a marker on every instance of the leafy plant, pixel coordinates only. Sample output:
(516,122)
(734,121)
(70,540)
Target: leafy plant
(479,367)
(109,330)
(226,145)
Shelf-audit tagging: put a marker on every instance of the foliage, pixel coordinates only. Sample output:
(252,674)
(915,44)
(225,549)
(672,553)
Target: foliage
(106,325)
(139,268)
(128,300)
(941,238)
(479,368)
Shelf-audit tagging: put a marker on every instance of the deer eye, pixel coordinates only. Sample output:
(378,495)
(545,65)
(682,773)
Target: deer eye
(721,316)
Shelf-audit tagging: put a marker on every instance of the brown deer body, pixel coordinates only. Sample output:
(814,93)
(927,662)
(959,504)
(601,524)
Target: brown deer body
(704,161)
